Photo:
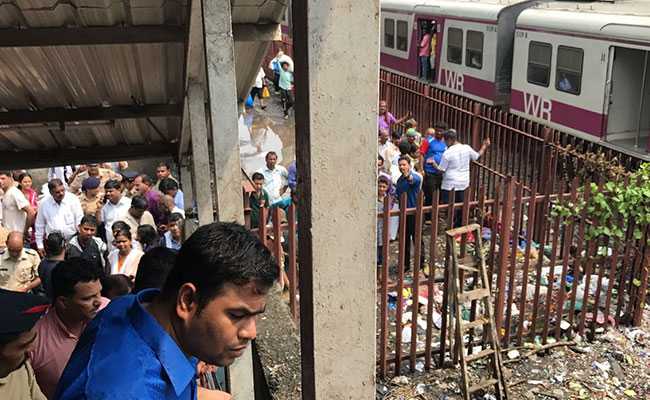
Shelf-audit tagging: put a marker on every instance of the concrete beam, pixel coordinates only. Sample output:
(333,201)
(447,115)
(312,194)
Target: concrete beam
(83,155)
(220,74)
(223,110)
(194,64)
(91,36)
(200,153)
(18,117)
(337,233)
(256,32)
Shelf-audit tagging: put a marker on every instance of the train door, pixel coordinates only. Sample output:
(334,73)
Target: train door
(628,98)
(426,49)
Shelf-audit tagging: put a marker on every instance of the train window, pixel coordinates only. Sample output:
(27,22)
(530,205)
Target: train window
(389,33)
(402,35)
(455,45)
(539,63)
(568,76)
(474,50)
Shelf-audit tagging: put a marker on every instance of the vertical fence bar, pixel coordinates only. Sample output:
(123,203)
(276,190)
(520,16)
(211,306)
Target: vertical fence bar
(551,273)
(540,263)
(431,278)
(262,231)
(476,126)
(445,306)
(278,252)
(566,248)
(400,284)
(629,244)
(592,247)
(504,243)
(577,274)
(513,260)
(496,207)
(612,274)
(383,366)
(643,287)
(465,221)
(416,278)
(601,273)
(524,284)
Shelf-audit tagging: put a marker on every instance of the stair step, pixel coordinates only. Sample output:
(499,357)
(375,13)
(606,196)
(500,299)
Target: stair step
(482,385)
(473,295)
(474,324)
(479,355)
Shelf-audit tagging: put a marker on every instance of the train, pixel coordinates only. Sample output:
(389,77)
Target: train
(580,67)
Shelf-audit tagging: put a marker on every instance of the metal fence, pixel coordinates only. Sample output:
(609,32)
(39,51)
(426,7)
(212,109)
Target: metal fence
(533,153)
(549,280)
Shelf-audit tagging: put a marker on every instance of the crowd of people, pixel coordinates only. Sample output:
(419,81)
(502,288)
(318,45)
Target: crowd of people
(409,163)
(95,234)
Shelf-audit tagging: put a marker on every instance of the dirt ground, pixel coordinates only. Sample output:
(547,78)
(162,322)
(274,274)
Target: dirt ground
(613,366)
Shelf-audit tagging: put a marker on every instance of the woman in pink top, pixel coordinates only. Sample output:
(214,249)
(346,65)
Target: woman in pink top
(25,186)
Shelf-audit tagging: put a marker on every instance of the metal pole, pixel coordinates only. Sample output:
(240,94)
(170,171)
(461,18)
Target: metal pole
(638,127)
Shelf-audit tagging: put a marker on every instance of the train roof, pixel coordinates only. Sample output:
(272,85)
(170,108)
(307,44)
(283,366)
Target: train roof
(476,9)
(624,19)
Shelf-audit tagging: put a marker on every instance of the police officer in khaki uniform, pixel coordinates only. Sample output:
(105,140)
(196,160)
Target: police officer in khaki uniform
(20,311)
(91,197)
(19,266)
(93,170)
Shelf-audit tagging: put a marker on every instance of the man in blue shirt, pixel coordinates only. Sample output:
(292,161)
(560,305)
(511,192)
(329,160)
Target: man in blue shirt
(410,184)
(431,149)
(146,346)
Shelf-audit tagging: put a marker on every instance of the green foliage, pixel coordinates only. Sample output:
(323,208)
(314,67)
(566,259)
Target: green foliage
(612,210)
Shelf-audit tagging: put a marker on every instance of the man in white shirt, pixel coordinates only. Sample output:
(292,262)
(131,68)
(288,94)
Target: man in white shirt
(17,214)
(136,215)
(61,211)
(455,165)
(276,178)
(116,205)
(258,88)
(62,173)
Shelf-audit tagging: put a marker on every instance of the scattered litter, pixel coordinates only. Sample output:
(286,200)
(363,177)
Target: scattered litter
(406,334)
(419,366)
(603,367)
(512,354)
(400,380)
(421,388)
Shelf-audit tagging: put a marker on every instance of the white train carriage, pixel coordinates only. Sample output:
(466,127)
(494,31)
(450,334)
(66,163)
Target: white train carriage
(583,68)
(474,43)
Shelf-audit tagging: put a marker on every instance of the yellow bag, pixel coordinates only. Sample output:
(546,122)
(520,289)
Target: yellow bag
(265,93)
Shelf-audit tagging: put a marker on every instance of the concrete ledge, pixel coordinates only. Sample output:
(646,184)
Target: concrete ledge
(278,351)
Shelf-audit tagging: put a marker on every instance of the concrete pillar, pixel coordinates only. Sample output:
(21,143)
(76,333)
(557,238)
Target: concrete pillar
(220,72)
(185,165)
(200,153)
(337,72)
(222,88)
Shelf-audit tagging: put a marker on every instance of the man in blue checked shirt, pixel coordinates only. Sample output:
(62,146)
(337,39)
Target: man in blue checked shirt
(410,183)
(146,346)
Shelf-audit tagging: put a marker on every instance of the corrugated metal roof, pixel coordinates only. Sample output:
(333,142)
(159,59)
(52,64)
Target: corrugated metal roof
(37,78)
(90,76)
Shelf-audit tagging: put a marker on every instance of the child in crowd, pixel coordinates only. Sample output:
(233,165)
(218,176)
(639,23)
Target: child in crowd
(258,199)
(147,237)
(174,237)
(115,286)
